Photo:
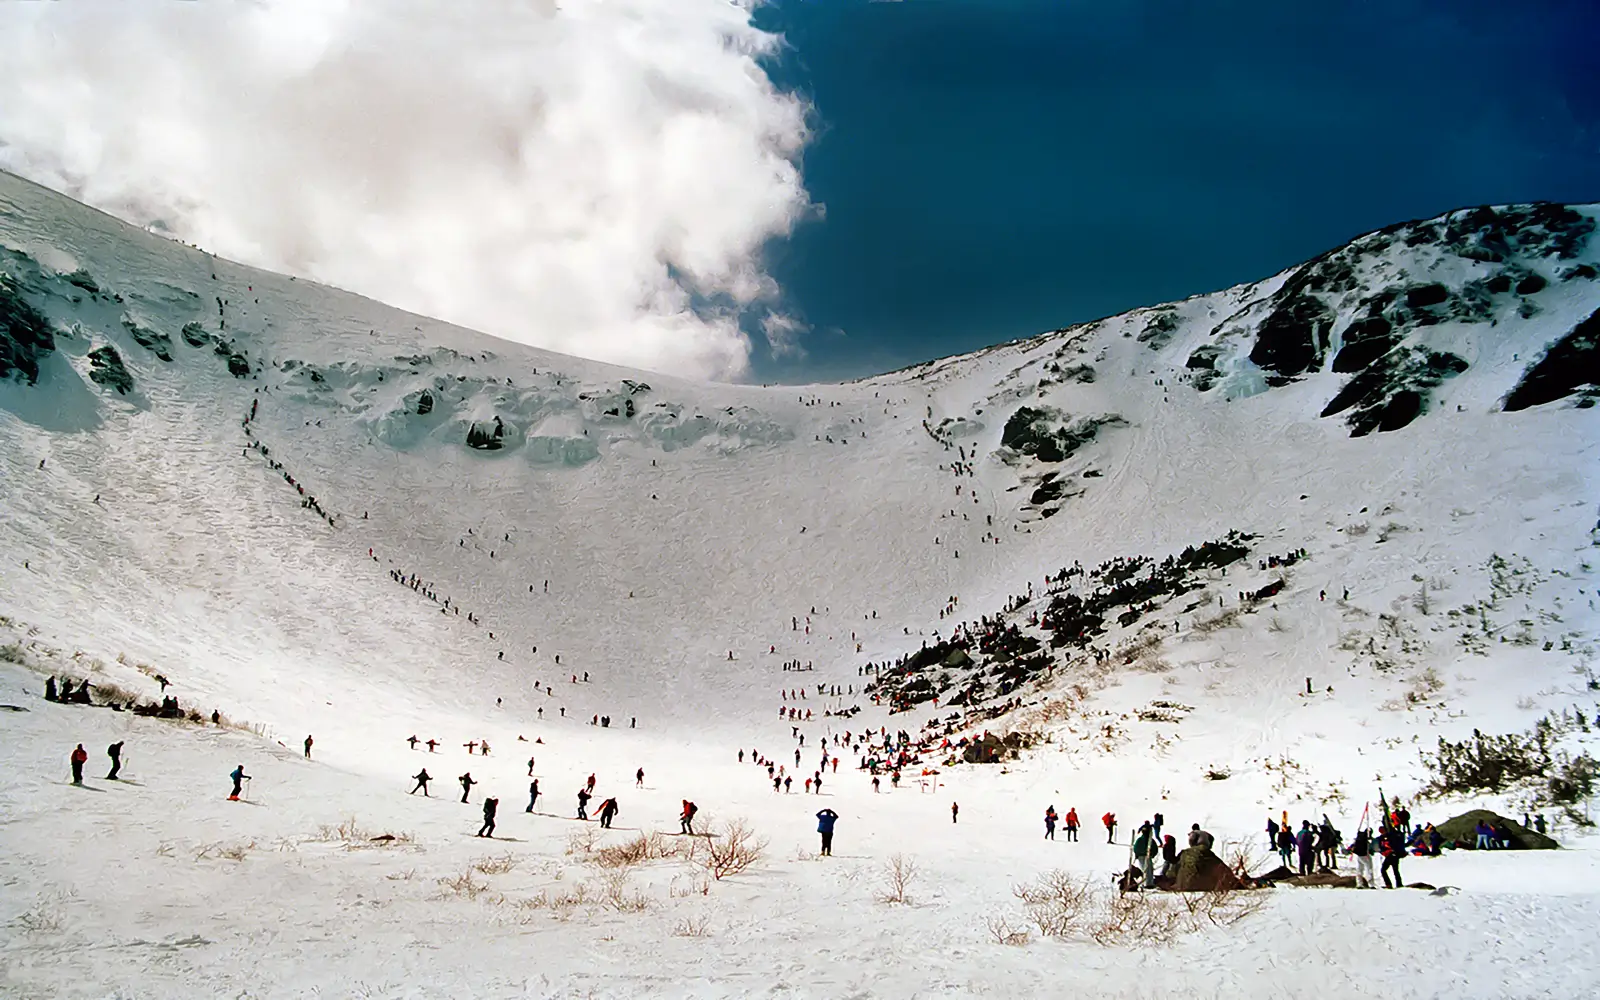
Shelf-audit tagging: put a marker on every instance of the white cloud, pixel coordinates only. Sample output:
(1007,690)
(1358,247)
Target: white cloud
(576,175)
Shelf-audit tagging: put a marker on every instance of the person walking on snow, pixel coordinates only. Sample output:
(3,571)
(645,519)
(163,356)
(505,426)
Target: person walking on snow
(308,748)
(489,807)
(608,810)
(638,778)
(79,757)
(590,785)
(686,818)
(466,785)
(422,778)
(533,795)
(583,803)
(1110,821)
(530,767)
(825,820)
(114,751)
(239,778)
(1049,822)
(1072,824)
(955,810)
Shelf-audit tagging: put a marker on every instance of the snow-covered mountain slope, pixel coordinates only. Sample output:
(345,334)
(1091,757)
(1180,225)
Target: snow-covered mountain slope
(319,514)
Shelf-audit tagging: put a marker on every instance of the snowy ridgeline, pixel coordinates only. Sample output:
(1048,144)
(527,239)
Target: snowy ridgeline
(1257,551)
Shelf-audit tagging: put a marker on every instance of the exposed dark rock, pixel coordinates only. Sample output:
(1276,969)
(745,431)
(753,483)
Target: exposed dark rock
(106,368)
(1365,341)
(1032,431)
(424,403)
(238,365)
(1050,489)
(1531,285)
(154,341)
(1579,271)
(1394,390)
(25,335)
(1199,870)
(1204,358)
(195,335)
(487,437)
(1291,339)
(1431,294)
(1158,331)
(1569,363)
(1499,284)
(83,280)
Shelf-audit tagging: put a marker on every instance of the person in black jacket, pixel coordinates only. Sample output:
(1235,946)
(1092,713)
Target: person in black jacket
(1361,847)
(466,785)
(423,777)
(114,751)
(489,807)
(533,794)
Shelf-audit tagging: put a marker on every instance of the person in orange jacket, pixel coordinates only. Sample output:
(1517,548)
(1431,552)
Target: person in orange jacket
(1072,824)
(1110,820)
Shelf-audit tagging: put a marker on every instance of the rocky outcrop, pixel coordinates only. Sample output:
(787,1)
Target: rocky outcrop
(1570,364)
(25,335)
(1393,391)
(1199,870)
(106,368)
(487,437)
(1051,436)
(154,341)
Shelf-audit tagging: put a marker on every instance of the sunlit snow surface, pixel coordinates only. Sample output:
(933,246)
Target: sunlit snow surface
(673,537)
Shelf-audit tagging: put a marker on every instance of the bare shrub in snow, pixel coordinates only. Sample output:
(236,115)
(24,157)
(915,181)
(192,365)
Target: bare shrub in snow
(1057,901)
(618,895)
(1003,932)
(732,849)
(1226,619)
(695,927)
(12,652)
(899,874)
(501,865)
(43,917)
(464,885)
(583,840)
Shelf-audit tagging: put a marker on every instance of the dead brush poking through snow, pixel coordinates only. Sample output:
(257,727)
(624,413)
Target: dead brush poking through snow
(1068,905)
(502,865)
(732,849)
(899,874)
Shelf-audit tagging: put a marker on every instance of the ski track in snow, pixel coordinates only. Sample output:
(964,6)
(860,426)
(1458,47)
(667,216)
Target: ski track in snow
(201,562)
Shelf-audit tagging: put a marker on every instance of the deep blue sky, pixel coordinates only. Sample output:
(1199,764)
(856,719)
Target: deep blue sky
(994,168)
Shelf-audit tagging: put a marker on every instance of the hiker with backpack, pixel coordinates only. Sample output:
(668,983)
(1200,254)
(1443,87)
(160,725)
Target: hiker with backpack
(79,757)
(608,811)
(1110,821)
(466,785)
(686,818)
(1362,849)
(114,751)
(1393,846)
(1049,822)
(489,808)
(1072,824)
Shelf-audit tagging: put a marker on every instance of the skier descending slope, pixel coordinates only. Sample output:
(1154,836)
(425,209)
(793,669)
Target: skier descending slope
(423,777)
(533,795)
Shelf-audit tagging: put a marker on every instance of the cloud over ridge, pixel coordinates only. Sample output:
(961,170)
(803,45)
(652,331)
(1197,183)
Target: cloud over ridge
(596,177)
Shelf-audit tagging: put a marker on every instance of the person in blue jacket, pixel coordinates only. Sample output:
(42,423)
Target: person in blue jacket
(825,820)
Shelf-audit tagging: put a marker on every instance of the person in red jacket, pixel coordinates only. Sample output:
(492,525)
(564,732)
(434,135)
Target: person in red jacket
(80,757)
(1110,820)
(686,820)
(1072,824)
